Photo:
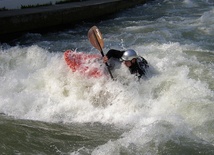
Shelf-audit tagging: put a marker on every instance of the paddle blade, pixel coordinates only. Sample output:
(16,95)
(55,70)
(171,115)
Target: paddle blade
(95,37)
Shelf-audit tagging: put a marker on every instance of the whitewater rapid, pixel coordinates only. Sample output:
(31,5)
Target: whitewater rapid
(172,107)
(37,84)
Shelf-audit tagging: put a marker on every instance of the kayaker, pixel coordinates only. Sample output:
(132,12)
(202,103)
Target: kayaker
(137,65)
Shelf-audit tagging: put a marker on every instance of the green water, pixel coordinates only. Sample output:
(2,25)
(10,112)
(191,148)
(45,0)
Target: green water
(35,137)
(47,109)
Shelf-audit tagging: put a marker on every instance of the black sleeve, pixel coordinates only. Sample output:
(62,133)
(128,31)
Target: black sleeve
(115,54)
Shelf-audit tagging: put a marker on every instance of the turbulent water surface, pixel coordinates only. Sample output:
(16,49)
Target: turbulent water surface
(47,109)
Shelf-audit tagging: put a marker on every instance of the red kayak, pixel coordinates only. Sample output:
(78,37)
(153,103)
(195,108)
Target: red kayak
(86,64)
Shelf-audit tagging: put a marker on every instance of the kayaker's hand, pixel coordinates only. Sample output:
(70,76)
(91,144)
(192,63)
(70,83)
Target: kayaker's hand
(105,59)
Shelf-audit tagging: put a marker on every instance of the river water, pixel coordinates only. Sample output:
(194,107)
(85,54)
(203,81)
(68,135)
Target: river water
(47,109)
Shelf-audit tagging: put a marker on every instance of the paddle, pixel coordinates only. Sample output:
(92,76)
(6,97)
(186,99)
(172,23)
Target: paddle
(96,39)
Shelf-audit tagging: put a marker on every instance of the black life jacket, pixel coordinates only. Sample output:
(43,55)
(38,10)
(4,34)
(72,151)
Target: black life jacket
(139,68)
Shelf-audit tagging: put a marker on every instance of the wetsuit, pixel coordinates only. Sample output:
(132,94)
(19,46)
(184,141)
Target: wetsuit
(138,68)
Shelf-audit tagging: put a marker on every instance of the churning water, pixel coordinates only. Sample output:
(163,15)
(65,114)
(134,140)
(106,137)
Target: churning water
(47,109)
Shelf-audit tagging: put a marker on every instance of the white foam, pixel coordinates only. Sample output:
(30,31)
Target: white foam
(38,85)
(189,3)
(175,100)
(207,22)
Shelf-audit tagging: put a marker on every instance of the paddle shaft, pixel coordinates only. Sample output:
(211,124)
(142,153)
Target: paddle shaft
(101,51)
